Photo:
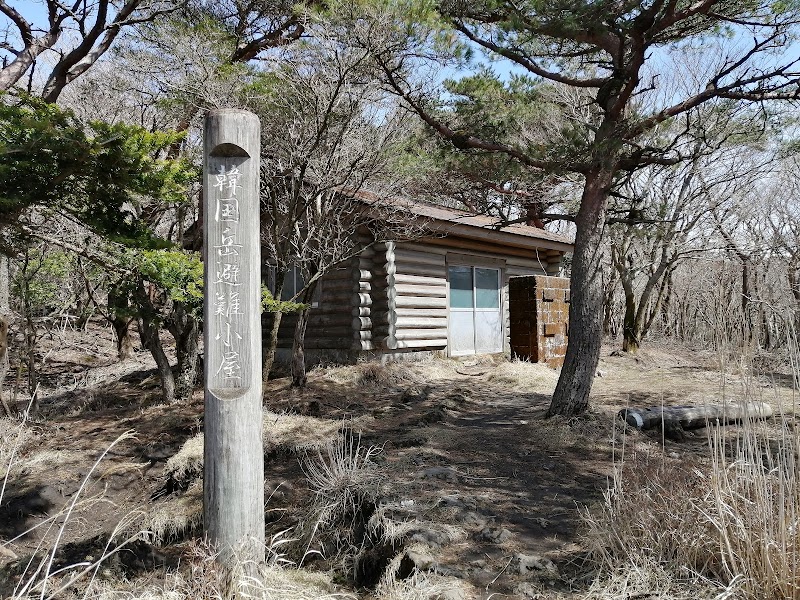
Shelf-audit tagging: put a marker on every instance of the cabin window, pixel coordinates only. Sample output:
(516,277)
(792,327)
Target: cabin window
(475,320)
(292,284)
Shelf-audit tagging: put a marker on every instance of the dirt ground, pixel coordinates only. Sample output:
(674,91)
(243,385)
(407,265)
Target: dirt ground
(486,490)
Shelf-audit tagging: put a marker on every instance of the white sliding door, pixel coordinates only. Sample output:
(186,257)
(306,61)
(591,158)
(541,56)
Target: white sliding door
(475,324)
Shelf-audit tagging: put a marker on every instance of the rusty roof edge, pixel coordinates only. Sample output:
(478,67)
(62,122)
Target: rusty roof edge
(461,218)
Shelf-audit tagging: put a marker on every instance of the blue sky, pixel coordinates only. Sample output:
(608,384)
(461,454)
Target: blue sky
(36,12)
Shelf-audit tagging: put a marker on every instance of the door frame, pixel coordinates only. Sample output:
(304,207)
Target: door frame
(480,262)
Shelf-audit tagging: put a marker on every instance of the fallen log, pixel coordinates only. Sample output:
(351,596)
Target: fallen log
(694,417)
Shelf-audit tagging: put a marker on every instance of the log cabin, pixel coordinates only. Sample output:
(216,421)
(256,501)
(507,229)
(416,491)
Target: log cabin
(446,292)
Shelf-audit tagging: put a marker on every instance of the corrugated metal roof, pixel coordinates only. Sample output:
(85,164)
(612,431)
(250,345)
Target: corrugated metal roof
(462,217)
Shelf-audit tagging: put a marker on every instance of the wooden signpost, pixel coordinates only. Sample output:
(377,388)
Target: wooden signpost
(233,484)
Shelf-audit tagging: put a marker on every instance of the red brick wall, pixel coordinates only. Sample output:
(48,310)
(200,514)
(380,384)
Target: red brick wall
(539,316)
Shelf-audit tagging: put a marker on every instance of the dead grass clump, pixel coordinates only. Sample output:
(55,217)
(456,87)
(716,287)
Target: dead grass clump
(345,482)
(373,374)
(392,522)
(652,580)
(187,464)
(368,374)
(177,516)
(15,438)
(291,432)
(756,497)
(654,510)
(298,433)
(419,585)
(202,579)
(531,377)
(731,520)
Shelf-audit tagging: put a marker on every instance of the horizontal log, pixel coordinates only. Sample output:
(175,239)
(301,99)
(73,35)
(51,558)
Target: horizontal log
(339,285)
(364,345)
(334,343)
(414,279)
(361,299)
(420,323)
(426,270)
(419,334)
(421,312)
(435,291)
(361,311)
(401,344)
(326,332)
(341,320)
(693,417)
(419,248)
(380,315)
(338,275)
(415,257)
(418,302)
(331,307)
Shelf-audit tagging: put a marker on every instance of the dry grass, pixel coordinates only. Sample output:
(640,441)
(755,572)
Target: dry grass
(345,482)
(521,374)
(419,586)
(176,516)
(384,522)
(295,433)
(372,374)
(730,521)
(201,579)
(15,439)
(299,433)
(187,464)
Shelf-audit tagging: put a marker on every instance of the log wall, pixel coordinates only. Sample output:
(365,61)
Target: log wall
(393,297)
(417,297)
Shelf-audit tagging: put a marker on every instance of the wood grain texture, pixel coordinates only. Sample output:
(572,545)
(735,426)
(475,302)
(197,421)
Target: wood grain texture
(233,495)
(693,417)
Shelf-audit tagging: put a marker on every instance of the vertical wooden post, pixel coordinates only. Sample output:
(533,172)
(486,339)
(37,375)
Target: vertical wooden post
(233,485)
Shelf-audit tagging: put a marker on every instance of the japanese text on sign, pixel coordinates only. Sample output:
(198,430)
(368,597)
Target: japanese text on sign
(227,251)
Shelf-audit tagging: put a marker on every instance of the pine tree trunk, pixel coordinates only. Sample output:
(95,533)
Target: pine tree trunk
(298,350)
(298,345)
(5,324)
(119,307)
(270,346)
(149,332)
(184,328)
(122,332)
(571,396)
